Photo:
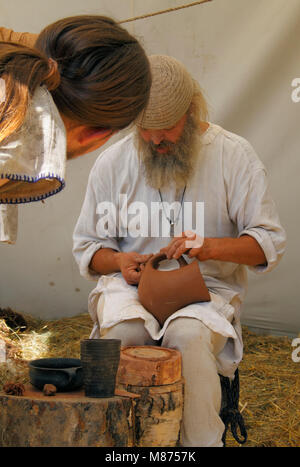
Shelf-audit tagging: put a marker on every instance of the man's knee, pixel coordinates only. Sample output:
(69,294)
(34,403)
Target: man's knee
(183,332)
(130,332)
(187,332)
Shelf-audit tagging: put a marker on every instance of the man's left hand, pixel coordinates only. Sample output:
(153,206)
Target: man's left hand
(189,243)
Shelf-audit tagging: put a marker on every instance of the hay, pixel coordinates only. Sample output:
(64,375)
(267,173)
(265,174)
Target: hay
(59,338)
(269,379)
(270,392)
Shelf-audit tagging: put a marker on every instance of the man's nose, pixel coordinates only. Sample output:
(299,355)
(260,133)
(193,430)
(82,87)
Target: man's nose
(157,137)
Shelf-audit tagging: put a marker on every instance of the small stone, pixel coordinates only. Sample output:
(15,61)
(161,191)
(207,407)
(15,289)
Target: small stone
(49,390)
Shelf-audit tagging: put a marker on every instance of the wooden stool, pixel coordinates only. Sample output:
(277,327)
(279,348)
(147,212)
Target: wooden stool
(155,374)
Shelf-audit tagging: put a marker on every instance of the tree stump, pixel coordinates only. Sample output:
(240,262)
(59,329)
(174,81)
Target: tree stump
(155,374)
(65,420)
(157,414)
(149,366)
(146,410)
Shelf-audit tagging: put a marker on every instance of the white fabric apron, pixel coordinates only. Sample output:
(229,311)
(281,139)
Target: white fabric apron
(119,302)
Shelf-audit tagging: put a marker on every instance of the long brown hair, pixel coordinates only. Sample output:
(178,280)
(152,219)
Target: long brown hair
(98,74)
(23,69)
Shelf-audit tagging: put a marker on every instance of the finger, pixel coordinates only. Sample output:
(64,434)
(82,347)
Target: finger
(174,240)
(165,251)
(133,276)
(142,258)
(169,248)
(174,247)
(195,241)
(180,251)
(194,252)
(190,240)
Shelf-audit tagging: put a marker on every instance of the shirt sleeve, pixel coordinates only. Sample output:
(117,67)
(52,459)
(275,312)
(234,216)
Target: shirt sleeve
(96,226)
(252,208)
(25,38)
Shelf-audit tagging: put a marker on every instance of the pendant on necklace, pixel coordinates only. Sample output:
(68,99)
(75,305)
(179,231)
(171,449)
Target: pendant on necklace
(172,224)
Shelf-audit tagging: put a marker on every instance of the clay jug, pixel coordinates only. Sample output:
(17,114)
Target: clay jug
(164,292)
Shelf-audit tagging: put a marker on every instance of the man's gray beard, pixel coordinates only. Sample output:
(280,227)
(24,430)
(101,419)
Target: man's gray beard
(174,167)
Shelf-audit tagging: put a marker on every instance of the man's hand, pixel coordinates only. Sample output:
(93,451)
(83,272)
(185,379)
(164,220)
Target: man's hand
(107,261)
(131,266)
(243,250)
(189,243)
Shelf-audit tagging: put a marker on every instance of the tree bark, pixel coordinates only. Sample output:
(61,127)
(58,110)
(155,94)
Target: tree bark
(157,414)
(146,410)
(65,420)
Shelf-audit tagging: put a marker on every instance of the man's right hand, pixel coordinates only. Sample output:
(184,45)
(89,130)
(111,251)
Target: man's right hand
(131,266)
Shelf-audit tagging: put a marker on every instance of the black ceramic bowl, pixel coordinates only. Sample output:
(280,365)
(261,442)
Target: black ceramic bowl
(64,373)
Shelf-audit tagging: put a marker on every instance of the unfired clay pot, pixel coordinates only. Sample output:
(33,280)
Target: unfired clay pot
(164,292)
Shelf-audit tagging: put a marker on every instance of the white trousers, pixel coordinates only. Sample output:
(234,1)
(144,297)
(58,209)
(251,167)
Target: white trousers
(201,424)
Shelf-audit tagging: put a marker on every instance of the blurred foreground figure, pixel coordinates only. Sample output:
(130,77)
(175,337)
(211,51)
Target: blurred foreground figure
(63,93)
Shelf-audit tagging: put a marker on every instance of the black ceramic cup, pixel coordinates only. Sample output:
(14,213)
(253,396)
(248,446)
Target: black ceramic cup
(100,360)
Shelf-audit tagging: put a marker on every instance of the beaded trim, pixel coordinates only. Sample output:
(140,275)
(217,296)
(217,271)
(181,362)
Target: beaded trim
(26,178)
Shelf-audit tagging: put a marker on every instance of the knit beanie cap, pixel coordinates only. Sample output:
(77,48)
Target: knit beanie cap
(171,93)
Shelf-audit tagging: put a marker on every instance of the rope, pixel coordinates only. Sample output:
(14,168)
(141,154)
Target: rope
(230,414)
(163,11)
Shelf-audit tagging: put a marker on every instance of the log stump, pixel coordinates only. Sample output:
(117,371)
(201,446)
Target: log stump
(146,410)
(157,415)
(155,374)
(65,420)
(149,366)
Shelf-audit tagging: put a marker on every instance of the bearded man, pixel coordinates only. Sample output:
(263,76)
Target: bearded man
(175,155)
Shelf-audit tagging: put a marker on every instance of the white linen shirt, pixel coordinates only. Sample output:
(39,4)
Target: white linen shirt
(230,180)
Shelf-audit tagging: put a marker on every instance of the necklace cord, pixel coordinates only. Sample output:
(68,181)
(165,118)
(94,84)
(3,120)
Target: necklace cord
(172,223)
